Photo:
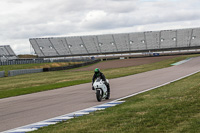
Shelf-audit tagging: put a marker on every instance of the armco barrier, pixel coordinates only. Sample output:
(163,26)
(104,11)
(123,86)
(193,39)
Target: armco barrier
(23,71)
(2,74)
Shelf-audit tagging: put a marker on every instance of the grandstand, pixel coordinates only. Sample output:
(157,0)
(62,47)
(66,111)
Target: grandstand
(6,53)
(180,39)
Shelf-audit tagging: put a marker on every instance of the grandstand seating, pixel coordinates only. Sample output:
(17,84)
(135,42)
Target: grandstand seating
(137,41)
(195,37)
(168,39)
(91,44)
(76,45)
(122,42)
(6,53)
(117,43)
(60,46)
(106,43)
(152,40)
(183,37)
(36,47)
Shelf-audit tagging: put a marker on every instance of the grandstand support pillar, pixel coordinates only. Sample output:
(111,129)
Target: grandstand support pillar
(53,46)
(38,46)
(114,42)
(98,44)
(159,39)
(129,44)
(145,40)
(64,46)
(176,39)
(190,40)
(68,46)
(6,49)
(84,45)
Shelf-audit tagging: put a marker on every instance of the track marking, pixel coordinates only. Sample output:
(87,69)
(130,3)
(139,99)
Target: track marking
(181,62)
(36,126)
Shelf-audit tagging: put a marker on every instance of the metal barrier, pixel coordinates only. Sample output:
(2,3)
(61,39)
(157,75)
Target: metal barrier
(17,62)
(23,71)
(2,74)
(34,61)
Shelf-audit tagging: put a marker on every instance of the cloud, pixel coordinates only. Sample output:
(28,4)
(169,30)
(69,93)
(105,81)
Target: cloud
(24,19)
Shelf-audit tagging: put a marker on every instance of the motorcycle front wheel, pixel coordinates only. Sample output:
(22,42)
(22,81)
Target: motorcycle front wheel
(99,95)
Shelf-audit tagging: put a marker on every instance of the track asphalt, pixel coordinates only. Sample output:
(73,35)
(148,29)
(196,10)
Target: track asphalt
(22,110)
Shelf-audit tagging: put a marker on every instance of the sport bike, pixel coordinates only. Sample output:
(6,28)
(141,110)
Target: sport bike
(101,89)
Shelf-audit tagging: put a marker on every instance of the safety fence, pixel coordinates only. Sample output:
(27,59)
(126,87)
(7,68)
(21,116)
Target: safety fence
(34,61)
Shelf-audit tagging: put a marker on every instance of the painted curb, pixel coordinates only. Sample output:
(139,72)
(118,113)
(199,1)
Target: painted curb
(181,62)
(36,126)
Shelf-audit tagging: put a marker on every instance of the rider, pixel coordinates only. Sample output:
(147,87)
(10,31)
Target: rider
(99,74)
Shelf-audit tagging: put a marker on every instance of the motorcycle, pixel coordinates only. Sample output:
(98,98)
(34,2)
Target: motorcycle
(101,89)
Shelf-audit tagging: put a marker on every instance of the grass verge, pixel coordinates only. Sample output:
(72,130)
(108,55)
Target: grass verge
(26,84)
(172,108)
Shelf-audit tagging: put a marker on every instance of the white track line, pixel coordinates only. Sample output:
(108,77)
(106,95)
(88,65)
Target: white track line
(157,86)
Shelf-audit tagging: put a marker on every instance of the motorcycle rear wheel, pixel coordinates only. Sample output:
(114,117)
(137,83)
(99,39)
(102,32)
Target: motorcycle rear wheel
(108,96)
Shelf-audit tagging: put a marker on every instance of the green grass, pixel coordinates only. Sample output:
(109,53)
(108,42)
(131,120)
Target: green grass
(173,108)
(25,84)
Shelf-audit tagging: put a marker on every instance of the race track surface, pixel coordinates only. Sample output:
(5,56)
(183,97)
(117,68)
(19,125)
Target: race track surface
(125,63)
(22,110)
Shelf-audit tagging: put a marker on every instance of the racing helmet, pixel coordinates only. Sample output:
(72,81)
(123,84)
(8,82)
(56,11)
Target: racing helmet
(97,71)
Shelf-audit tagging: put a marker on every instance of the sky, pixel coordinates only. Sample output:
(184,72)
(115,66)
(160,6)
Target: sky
(24,19)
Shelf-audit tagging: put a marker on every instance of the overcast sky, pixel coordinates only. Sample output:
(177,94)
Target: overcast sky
(24,19)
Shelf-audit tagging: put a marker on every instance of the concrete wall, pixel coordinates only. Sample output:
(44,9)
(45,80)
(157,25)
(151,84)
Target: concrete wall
(2,73)
(23,71)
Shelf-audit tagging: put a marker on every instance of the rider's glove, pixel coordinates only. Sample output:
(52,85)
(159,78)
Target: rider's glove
(92,86)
